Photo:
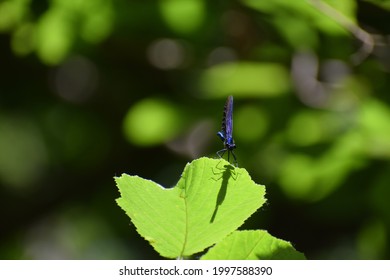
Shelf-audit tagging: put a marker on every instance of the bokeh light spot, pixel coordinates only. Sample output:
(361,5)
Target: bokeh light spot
(11,13)
(23,155)
(250,123)
(245,79)
(54,36)
(372,240)
(151,121)
(23,40)
(76,79)
(297,179)
(166,54)
(305,129)
(183,16)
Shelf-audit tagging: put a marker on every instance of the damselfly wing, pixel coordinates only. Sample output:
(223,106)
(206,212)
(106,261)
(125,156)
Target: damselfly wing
(226,133)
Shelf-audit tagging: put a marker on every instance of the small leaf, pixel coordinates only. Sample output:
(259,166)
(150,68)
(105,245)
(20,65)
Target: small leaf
(211,200)
(253,245)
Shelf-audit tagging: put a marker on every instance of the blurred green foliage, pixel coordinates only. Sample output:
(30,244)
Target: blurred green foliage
(151,122)
(243,79)
(183,16)
(92,89)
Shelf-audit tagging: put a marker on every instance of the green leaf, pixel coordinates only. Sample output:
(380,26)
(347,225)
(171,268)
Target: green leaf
(211,200)
(253,245)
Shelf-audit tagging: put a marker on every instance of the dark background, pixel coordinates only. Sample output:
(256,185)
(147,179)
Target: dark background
(93,89)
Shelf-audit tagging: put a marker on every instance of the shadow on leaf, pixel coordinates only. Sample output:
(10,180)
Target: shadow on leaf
(280,253)
(227,171)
